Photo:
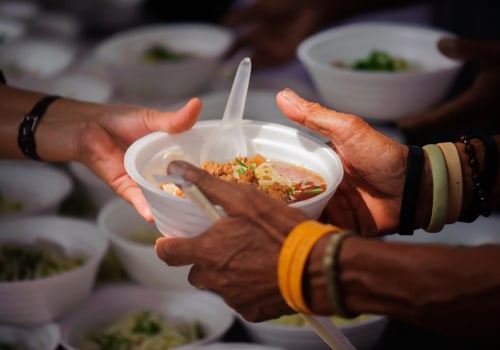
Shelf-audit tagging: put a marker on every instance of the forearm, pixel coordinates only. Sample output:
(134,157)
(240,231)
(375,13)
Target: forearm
(444,289)
(54,136)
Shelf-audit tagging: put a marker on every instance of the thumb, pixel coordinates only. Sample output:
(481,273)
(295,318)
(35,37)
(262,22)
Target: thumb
(470,50)
(337,127)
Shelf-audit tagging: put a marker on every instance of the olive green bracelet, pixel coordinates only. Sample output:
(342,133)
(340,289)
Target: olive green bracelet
(439,188)
(330,270)
(455,181)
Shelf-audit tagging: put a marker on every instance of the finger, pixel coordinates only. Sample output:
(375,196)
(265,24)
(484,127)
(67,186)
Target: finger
(470,50)
(175,122)
(175,251)
(213,187)
(336,126)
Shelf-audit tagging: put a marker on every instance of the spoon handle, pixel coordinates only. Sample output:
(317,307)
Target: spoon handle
(237,97)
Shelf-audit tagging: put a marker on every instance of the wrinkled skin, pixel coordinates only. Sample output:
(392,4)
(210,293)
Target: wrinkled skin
(475,108)
(237,256)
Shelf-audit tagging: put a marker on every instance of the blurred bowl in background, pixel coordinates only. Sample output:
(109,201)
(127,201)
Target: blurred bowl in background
(167,61)
(362,332)
(45,337)
(11,30)
(178,216)
(260,105)
(379,95)
(80,86)
(98,191)
(110,303)
(31,188)
(19,9)
(43,299)
(27,59)
(133,241)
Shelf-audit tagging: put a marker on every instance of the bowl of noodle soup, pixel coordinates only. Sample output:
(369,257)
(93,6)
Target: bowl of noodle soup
(275,145)
(150,318)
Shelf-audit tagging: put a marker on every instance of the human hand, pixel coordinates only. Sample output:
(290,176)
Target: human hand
(476,108)
(98,136)
(237,256)
(273,29)
(368,199)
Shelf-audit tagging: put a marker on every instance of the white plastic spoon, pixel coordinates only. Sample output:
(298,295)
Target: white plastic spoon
(229,140)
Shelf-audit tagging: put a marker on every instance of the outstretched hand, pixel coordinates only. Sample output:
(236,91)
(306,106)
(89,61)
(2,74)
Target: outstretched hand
(237,256)
(368,199)
(103,142)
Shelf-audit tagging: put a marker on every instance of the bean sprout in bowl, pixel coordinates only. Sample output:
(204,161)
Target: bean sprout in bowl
(278,143)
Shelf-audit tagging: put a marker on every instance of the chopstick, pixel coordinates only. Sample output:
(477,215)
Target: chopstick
(330,334)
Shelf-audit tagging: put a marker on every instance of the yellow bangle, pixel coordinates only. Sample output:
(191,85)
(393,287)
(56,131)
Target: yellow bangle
(439,188)
(455,181)
(292,259)
(330,270)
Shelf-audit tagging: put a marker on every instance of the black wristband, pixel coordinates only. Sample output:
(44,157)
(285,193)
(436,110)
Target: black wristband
(2,78)
(28,125)
(415,165)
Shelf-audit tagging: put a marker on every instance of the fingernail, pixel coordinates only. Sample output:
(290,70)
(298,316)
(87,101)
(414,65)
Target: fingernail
(289,95)
(176,167)
(448,46)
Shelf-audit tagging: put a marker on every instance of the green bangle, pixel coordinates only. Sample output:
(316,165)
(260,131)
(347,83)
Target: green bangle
(439,188)
(330,269)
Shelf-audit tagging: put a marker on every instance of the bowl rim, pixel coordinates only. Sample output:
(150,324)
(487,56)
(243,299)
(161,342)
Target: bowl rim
(66,185)
(69,323)
(99,50)
(310,42)
(91,258)
(374,318)
(137,177)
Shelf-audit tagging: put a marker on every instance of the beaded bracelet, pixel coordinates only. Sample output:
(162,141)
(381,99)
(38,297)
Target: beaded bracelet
(439,188)
(292,260)
(28,125)
(479,204)
(455,180)
(414,167)
(330,270)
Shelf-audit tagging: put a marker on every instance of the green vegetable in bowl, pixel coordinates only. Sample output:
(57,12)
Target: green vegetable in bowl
(27,262)
(10,205)
(297,320)
(159,53)
(377,61)
(143,330)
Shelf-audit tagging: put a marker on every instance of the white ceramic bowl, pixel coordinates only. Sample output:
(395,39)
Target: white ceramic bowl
(108,304)
(120,220)
(44,337)
(179,216)
(362,334)
(27,59)
(122,52)
(379,96)
(39,188)
(39,301)
(98,191)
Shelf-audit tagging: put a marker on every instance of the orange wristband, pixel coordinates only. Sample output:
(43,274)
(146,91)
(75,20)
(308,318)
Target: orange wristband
(292,259)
